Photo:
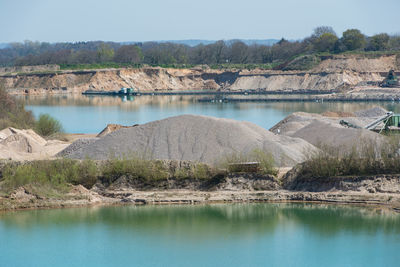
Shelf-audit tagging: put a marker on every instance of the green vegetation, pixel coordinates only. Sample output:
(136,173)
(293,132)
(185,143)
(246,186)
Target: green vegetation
(13,113)
(266,162)
(305,62)
(59,174)
(218,55)
(104,65)
(362,159)
(136,168)
(353,39)
(47,126)
(53,173)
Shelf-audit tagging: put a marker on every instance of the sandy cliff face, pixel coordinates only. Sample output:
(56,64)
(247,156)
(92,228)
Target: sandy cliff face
(336,73)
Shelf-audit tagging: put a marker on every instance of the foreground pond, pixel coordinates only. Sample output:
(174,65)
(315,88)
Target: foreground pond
(90,114)
(203,235)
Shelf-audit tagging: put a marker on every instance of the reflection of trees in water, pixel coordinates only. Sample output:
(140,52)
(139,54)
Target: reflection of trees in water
(131,102)
(134,102)
(206,221)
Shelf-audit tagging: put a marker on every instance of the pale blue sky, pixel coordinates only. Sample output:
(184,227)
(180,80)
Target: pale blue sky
(122,20)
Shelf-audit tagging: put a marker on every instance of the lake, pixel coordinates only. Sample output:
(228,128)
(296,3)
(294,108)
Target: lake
(90,114)
(201,235)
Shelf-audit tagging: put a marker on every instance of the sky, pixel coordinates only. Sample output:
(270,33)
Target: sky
(147,20)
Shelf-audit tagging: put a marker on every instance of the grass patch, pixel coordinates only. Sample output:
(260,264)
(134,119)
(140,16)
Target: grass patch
(57,174)
(107,65)
(305,62)
(267,66)
(135,168)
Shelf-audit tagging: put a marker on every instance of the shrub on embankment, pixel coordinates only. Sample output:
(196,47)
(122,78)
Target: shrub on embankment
(364,159)
(60,173)
(13,114)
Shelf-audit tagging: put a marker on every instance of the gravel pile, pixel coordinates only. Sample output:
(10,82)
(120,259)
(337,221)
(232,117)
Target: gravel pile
(193,138)
(76,146)
(372,112)
(327,131)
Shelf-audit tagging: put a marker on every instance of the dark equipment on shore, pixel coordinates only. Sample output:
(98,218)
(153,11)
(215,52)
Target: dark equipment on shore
(244,167)
(390,81)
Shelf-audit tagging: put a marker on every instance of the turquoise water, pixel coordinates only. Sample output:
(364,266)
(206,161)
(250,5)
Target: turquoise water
(204,235)
(84,114)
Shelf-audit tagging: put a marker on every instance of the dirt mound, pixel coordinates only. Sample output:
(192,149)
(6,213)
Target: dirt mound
(194,138)
(357,63)
(27,145)
(293,81)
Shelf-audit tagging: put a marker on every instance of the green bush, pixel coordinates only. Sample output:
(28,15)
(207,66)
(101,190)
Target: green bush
(135,168)
(13,113)
(363,159)
(57,173)
(47,125)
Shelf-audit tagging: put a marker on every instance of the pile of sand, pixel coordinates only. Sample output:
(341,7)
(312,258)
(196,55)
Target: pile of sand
(27,145)
(321,130)
(192,138)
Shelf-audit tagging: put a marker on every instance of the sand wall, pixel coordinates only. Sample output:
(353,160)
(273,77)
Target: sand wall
(335,73)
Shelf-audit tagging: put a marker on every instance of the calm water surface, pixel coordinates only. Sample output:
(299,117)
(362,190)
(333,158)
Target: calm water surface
(204,235)
(84,114)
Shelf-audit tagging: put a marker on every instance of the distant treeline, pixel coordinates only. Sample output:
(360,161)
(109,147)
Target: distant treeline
(322,40)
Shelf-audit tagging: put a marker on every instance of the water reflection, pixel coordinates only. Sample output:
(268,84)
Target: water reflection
(213,221)
(90,114)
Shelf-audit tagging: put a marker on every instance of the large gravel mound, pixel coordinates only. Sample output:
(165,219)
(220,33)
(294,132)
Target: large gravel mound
(194,138)
(327,131)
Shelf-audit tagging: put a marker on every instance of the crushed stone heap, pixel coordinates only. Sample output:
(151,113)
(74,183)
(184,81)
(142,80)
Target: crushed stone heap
(320,130)
(193,138)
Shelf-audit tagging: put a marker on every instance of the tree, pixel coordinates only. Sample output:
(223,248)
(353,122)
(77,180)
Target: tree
(47,125)
(394,42)
(325,43)
(239,52)
(378,42)
(105,53)
(218,51)
(128,54)
(353,39)
(321,30)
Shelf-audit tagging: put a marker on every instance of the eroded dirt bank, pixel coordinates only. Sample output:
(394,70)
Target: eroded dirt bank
(381,190)
(338,74)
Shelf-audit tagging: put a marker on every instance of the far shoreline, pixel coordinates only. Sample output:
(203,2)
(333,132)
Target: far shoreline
(185,197)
